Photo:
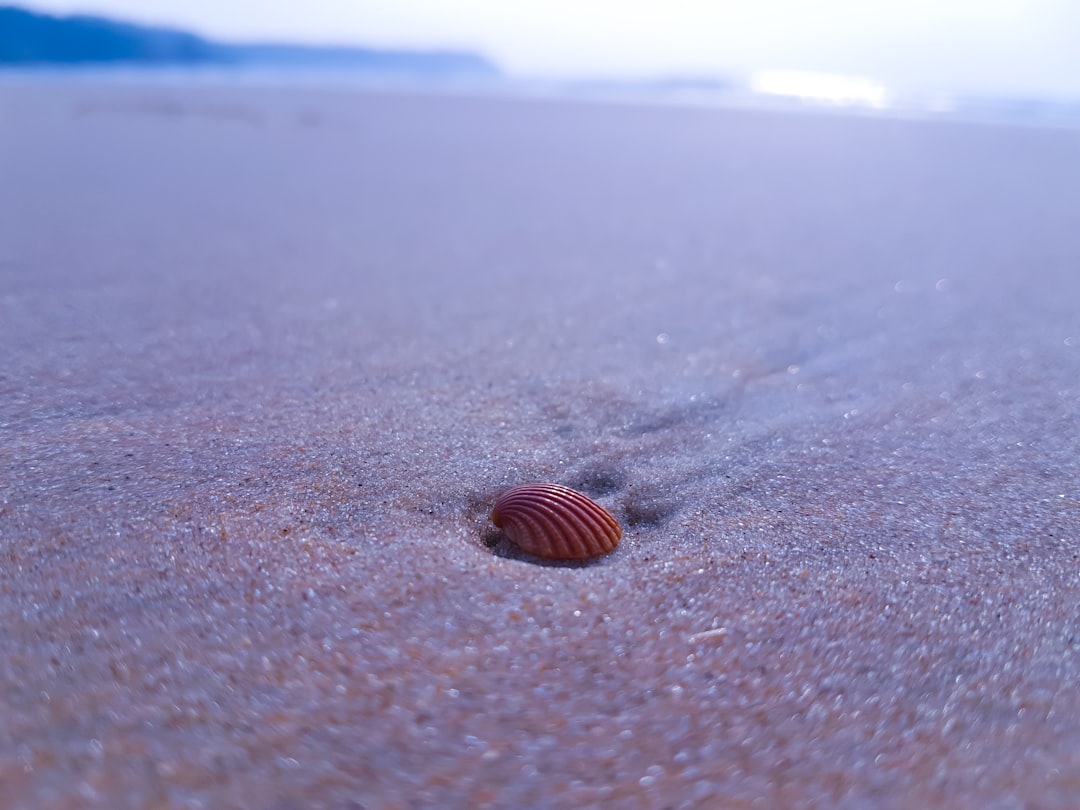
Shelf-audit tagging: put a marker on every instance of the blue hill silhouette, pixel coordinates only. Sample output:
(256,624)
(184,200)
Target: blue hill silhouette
(32,39)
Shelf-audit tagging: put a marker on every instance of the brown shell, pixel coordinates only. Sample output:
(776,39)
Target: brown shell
(553,521)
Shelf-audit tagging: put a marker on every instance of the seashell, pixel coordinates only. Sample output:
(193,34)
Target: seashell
(554,521)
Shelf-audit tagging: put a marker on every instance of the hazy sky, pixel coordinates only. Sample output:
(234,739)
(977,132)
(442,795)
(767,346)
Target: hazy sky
(1007,46)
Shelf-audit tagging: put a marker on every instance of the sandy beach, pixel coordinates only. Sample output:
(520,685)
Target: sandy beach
(268,356)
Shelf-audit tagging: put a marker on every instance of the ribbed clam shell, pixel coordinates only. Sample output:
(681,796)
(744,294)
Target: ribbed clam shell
(554,521)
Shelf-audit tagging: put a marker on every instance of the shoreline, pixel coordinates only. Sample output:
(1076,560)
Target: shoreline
(1037,113)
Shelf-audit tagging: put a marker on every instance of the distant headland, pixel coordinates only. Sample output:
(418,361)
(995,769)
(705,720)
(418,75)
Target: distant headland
(31,39)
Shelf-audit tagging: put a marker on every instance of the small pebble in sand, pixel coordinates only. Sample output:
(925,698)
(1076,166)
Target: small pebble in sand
(706,635)
(549,520)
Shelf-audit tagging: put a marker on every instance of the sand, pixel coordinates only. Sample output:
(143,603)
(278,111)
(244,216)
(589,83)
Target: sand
(267,356)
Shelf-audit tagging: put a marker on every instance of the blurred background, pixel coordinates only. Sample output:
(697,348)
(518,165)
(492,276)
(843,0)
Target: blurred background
(1010,58)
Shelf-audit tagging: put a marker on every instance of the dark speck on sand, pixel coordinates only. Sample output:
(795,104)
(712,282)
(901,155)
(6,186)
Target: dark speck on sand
(267,356)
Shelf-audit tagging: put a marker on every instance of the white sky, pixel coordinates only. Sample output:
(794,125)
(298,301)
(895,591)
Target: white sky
(1004,46)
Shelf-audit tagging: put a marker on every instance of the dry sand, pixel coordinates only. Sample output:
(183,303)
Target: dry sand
(267,356)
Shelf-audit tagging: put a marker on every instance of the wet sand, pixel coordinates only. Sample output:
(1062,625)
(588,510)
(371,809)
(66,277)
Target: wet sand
(268,356)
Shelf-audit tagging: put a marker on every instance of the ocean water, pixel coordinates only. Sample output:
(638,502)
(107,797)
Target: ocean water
(718,93)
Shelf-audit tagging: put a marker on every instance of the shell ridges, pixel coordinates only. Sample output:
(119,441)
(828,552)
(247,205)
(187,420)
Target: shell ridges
(553,521)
